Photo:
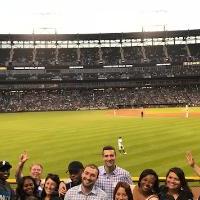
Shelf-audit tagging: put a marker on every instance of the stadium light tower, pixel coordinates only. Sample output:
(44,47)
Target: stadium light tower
(49,30)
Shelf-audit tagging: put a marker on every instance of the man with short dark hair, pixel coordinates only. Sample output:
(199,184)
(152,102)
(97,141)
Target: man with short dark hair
(110,174)
(6,193)
(87,189)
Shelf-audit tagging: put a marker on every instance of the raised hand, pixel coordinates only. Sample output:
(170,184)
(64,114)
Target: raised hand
(24,157)
(190,159)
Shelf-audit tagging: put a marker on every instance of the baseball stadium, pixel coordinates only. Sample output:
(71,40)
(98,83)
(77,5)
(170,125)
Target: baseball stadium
(63,97)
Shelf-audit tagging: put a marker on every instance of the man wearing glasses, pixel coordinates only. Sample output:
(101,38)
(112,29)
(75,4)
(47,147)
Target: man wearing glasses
(75,169)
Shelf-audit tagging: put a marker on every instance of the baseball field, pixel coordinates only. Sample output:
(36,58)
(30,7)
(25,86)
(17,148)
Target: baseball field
(159,140)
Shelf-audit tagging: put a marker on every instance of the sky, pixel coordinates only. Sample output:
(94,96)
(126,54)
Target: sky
(97,16)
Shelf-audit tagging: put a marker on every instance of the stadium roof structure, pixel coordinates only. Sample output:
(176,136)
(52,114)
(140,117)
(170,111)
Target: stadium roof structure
(100,36)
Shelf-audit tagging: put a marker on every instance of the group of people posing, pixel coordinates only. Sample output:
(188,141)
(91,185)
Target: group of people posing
(107,182)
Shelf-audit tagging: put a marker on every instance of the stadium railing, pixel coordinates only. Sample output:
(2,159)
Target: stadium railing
(135,179)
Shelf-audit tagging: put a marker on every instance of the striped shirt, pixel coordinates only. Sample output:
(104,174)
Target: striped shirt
(76,193)
(107,182)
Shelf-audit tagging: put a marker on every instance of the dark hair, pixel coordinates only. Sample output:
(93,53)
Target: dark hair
(20,193)
(126,187)
(93,166)
(180,173)
(147,172)
(75,167)
(108,148)
(56,179)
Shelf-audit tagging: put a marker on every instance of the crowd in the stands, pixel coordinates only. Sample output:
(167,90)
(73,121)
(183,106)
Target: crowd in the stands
(50,100)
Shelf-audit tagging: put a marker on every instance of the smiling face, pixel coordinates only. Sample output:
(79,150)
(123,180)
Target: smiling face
(50,186)
(121,194)
(89,177)
(4,174)
(147,183)
(109,158)
(173,181)
(75,176)
(36,172)
(28,187)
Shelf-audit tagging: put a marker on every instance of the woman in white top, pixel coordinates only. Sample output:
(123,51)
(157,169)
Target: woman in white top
(148,186)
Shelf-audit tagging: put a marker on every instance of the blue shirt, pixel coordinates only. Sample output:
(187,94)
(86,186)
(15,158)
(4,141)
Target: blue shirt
(107,182)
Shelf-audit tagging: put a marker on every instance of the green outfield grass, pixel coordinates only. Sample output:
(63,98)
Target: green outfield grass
(56,138)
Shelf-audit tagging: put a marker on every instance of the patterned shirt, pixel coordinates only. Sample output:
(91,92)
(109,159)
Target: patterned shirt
(107,182)
(76,193)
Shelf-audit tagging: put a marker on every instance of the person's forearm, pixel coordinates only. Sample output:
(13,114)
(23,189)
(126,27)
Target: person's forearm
(18,173)
(196,168)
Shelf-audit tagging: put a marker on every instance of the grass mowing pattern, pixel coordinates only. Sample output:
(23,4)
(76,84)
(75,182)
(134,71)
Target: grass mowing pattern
(56,138)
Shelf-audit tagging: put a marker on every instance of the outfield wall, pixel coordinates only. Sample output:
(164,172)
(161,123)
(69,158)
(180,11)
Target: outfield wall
(134,178)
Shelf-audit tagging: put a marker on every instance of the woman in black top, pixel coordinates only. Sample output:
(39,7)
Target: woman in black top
(26,187)
(51,185)
(176,187)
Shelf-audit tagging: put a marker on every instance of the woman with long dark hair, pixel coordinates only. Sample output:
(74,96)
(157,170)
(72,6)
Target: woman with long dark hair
(26,187)
(122,192)
(176,187)
(51,185)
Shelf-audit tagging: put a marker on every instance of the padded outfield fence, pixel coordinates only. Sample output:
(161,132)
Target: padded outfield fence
(135,179)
